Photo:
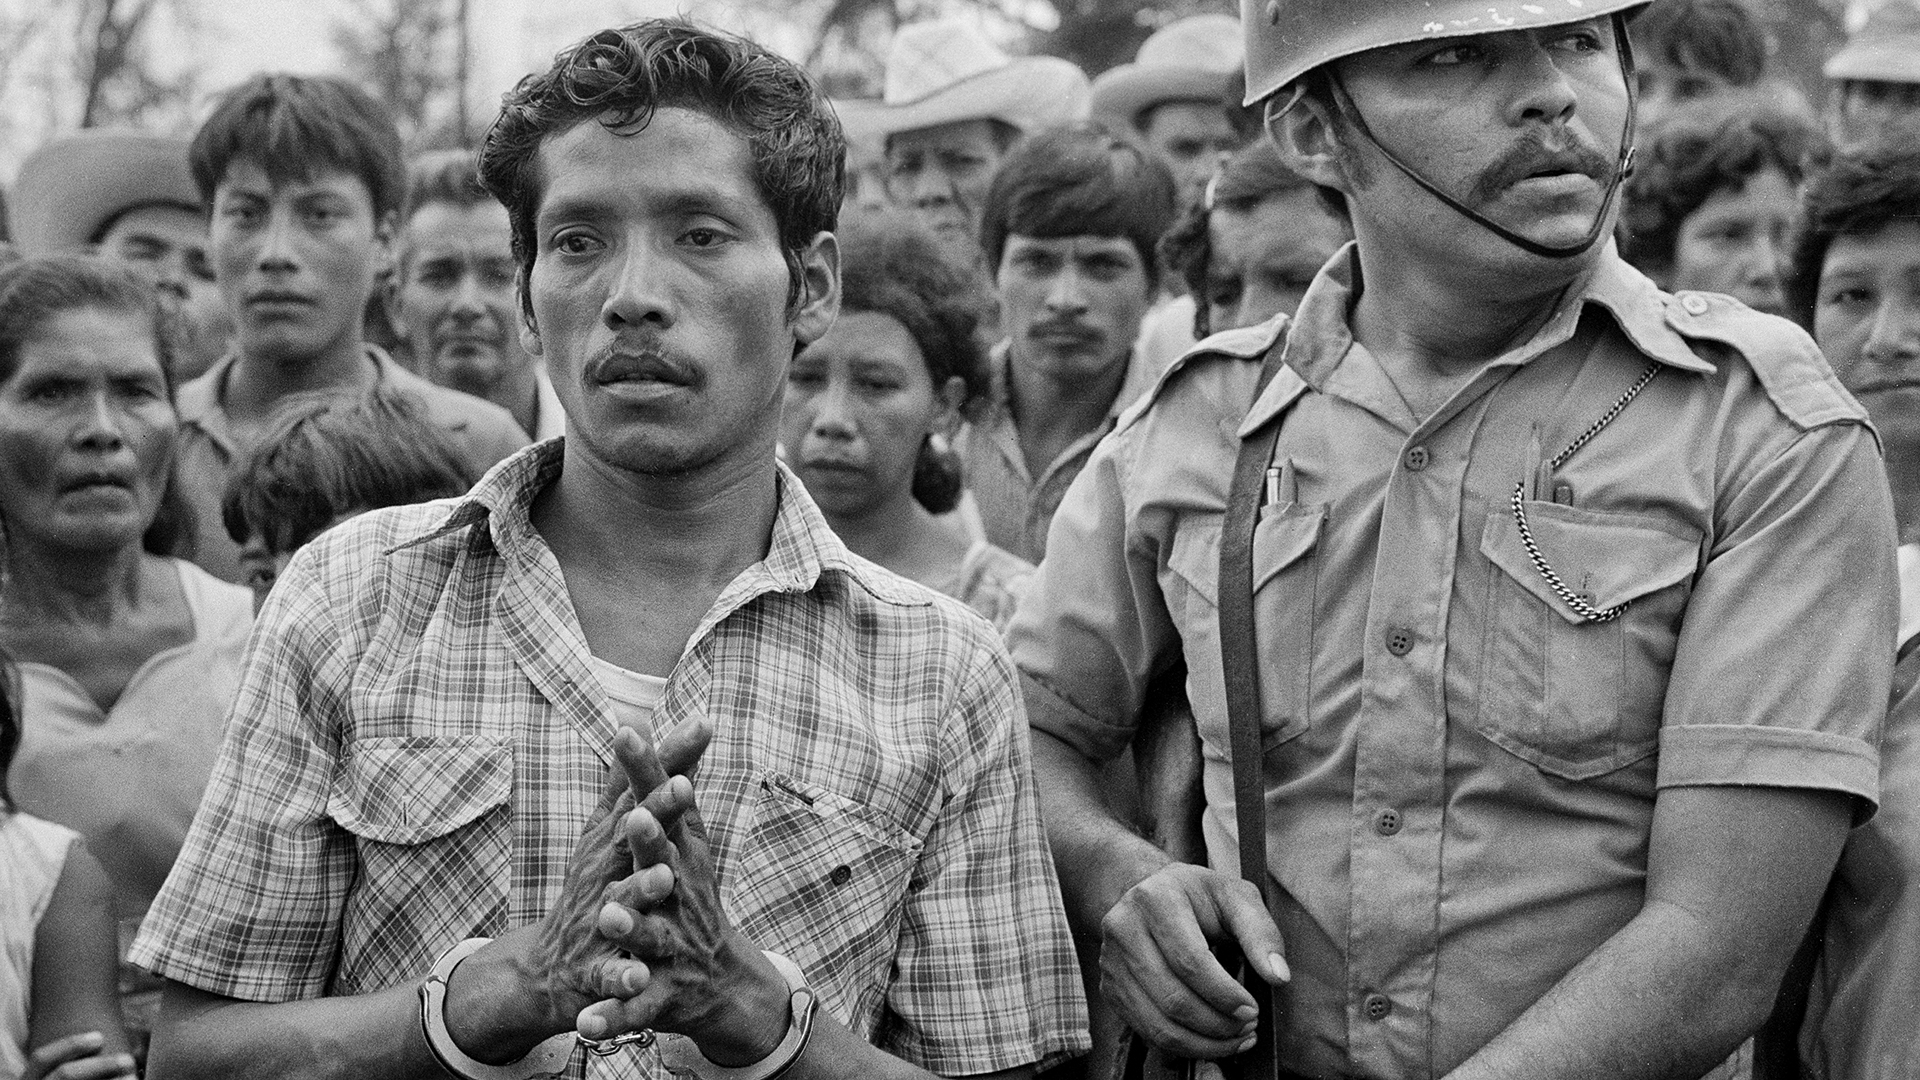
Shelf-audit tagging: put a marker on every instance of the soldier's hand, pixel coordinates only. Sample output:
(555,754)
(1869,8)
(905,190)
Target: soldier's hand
(1156,967)
(82,1056)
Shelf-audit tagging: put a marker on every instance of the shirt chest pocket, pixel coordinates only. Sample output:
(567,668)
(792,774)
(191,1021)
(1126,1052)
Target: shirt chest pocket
(1285,592)
(430,821)
(824,880)
(1576,697)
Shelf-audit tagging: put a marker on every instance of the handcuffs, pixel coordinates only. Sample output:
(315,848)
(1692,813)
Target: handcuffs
(548,1059)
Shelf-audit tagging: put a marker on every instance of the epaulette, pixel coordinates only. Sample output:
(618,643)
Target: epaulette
(1788,364)
(1244,344)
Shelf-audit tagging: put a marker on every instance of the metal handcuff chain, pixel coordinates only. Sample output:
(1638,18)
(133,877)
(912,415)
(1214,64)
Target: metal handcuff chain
(1574,600)
(608,1047)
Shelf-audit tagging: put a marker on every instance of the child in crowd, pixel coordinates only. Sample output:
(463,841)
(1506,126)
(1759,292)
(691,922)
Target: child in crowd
(328,459)
(59,1007)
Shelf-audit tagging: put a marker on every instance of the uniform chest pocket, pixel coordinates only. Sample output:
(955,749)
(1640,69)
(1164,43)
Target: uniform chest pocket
(430,817)
(824,880)
(1284,596)
(1575,697)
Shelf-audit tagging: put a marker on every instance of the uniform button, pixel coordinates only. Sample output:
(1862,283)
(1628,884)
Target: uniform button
(1694,303)
(1387,822)
(1399,641)
(1417,458)
(1378,1006)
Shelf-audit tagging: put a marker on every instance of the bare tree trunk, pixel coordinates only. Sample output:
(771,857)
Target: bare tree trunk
(463,72)
(110,50)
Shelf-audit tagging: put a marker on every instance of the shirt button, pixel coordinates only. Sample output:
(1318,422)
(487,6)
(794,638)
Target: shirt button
(1399,641)
(1387,822)
(1694,303)
(841,875)
(1378,1006)
(1416,459)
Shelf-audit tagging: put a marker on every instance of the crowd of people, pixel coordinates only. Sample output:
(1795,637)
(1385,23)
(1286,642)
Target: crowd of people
(1377,541)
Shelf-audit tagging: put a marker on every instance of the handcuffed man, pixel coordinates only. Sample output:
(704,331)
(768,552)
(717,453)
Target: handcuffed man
(437,695)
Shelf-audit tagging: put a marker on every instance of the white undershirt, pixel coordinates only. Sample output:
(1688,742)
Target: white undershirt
(634,696)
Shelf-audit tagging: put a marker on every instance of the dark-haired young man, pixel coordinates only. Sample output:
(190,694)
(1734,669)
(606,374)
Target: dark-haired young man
(304,178)
(454,302)
(438,696)
(1069,230)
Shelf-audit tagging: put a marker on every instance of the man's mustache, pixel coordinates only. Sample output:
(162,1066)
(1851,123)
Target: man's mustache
(1531,155)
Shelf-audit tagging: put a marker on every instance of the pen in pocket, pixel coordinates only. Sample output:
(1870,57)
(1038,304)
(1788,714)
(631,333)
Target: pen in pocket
(1282,485)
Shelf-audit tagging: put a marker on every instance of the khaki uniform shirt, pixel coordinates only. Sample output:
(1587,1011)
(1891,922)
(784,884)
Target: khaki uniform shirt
(1462,771)
(481,432)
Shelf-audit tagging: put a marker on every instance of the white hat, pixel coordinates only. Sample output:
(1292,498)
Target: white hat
(1190,59)
(1886,49)
(944,71)
(69,189)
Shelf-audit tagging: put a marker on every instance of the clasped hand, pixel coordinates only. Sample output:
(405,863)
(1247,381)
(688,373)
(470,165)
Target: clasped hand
(638,939)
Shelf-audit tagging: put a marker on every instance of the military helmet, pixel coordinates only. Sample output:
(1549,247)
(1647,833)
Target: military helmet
(1288,38)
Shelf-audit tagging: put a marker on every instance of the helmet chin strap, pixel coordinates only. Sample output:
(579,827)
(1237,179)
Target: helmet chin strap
(1623,168)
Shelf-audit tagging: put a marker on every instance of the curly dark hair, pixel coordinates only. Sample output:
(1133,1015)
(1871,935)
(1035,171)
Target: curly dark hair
(1705,147)
(891,265)
(618,77)
(1865,188)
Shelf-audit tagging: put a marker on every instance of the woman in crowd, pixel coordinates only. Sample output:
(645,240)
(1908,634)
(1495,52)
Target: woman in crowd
(128,658)
(1713,200)
(872,404)
(59,1014)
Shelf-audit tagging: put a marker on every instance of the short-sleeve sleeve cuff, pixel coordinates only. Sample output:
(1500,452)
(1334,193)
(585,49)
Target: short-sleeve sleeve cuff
(1712,755)
(1052,712)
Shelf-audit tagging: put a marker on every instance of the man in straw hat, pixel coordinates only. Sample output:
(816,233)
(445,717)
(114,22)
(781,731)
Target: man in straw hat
(1492,572)
(130,197)
(1174,97)
(952,105)
(1876,74)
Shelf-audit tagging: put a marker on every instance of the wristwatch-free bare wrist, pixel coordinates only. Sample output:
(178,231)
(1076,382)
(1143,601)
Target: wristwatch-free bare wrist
(684,1058)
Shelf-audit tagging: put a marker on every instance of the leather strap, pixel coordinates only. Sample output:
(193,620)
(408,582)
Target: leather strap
(1241,664)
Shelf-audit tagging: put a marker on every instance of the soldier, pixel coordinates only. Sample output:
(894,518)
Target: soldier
(1493,572)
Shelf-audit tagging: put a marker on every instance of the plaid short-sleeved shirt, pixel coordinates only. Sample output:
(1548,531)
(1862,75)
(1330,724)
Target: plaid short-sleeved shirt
(419,740)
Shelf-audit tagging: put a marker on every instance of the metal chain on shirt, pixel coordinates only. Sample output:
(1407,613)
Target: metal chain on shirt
(1578,603)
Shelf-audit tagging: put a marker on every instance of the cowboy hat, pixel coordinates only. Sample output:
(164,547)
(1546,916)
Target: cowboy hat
(71,188)
(1886,49)
(945,71)
(1190,59)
